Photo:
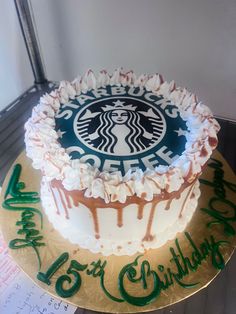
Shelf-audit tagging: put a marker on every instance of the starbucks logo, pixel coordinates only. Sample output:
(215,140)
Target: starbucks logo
(119,126)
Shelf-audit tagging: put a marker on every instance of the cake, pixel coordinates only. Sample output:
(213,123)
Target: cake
(120,157)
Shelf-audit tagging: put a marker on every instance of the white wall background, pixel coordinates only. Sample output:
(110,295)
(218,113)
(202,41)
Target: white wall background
(15,72)
(192,42)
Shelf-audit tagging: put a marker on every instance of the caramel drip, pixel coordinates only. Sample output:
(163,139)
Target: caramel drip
(55,201)
(185,201)
(168,204)
(63,204)
(119,216)
(203,152)
(190,173)
(76,198)
(148,236)
(68,201)
(93,204)
(178,196)
(100,203)
(95,222)
(140,211)
(192,195)
(129,188)
(48,157)
(212,141)
(155,183)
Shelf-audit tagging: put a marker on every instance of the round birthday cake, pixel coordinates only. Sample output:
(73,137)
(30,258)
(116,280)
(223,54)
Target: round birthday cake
(120,157)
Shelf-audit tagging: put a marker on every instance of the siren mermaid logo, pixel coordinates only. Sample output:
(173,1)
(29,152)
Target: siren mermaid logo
(120,126)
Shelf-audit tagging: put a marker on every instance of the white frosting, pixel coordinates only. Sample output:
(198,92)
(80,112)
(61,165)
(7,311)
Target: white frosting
(78,226)
(43,148)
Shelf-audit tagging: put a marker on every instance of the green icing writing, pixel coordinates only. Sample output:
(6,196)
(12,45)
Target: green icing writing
(98,270)
(206,248)
(14,188)
(131,273)
(164,278)
(185,265)
(45,277)
(219,200)
(74,269)
(107,293)
(141,273)
(32,238)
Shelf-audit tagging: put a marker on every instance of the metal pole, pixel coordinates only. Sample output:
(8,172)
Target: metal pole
(27,28)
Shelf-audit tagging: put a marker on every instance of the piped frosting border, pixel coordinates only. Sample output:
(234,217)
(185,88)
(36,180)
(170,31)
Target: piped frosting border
(43,147)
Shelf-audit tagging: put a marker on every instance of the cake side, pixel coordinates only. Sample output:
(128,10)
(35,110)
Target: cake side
(115,228)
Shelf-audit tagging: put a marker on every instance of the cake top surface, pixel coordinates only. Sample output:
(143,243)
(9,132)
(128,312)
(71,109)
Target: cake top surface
(119,135)
(118,128)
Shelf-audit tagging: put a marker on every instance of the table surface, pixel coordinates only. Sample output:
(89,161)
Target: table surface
(220,296)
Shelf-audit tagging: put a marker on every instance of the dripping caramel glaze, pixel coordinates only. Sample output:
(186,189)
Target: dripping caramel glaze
(185,201)
(168,204)
(70,199)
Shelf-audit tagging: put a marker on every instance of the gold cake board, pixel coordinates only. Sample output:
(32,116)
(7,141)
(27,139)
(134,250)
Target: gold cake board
(90,294)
